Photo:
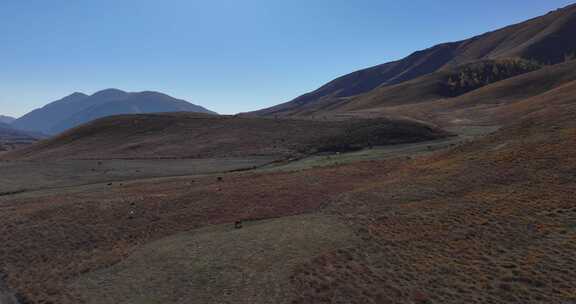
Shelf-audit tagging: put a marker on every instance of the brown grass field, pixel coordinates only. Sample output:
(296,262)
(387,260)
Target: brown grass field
(489,221)
(446,177)
(486,217)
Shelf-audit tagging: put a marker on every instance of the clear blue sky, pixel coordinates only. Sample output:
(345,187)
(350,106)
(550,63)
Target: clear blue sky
(229,56)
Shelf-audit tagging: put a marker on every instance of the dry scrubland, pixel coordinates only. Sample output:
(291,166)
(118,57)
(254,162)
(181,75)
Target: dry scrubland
(229,265)
(28,176)
(474,225)
(437,219)
(70,206)
(489,221)
(492,220)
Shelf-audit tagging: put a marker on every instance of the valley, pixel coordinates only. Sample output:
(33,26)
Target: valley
(447,176)
(86,229)
(129,185)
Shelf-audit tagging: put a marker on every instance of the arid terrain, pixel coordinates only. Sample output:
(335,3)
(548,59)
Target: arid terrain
(445,177)
(485,220)
(135,212)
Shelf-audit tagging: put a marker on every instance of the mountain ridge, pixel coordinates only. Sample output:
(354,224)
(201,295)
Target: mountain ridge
(546,39)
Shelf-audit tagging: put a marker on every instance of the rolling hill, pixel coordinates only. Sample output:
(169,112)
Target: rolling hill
(190,135)
(544,40)
(79,108)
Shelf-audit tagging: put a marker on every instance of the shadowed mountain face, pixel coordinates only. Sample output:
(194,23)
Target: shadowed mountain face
(8,129)
(11,138)
(548,39)
(44,118)
(4,125)
(80,108)
(6,119)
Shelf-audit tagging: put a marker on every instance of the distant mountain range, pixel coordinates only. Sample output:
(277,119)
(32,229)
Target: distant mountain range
(6,119)
(79,108)
(446,70)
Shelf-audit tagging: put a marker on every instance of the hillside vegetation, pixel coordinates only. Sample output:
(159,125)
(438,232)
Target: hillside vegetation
(185,135)
(469,77)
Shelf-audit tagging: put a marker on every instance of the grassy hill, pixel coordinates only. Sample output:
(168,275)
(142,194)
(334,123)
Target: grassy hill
(187,135)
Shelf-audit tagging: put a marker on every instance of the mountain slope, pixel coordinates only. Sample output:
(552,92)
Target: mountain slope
(4,126)
(6,119)
(442,84)
(44,118)
(79,108)
(497,103)
(547,39)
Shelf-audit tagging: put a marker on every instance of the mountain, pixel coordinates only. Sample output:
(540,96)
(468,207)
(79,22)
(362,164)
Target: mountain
(130,103)
(6,119)
(541,41)
(44,118)
(79,108)
(198,135)
(4,125)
